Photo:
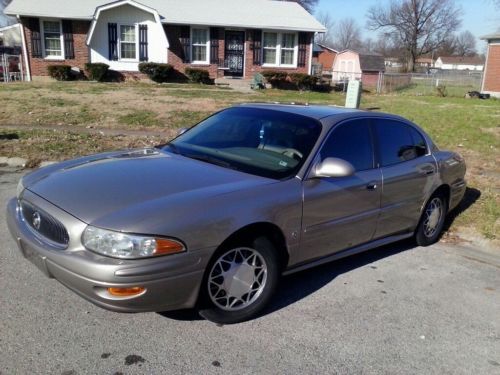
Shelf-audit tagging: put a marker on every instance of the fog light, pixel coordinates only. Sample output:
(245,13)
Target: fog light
(126,292)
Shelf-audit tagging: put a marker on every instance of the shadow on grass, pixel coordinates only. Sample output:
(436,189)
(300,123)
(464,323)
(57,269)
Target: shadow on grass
(470,197)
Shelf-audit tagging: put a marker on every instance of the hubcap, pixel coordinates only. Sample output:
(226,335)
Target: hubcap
(433,215)
(237,279)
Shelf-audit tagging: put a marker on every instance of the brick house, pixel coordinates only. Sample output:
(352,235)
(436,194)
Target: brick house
(324,55)
(226,37)
(491,76)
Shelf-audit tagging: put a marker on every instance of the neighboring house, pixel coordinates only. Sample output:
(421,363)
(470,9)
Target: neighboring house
(324,56)
(425,62)
(10,36)
(11,54)
(393,62)
(350,65)
(228,37)
(459,63)
(491,77)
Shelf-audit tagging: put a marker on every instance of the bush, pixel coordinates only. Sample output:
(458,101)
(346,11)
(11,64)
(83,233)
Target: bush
(303,81)
(441,91)
(198,75)
(60,72)
(276,78)
(97,71)
(157,72)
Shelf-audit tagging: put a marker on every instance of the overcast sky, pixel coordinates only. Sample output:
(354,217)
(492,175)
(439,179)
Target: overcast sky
(480,17)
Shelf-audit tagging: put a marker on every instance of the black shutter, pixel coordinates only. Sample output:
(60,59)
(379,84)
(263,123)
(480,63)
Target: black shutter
(257,47)
(185,39)
(36,39)
(69,45)
(214,45)
(303,42)
(143,43)
(113,41)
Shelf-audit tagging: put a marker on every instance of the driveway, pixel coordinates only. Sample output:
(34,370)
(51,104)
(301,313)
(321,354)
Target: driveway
(397,309)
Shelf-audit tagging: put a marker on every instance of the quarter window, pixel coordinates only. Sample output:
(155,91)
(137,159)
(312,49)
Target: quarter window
(351,142)
(199,49)
(279,49)
(52,39)
(128,42)
(395,142)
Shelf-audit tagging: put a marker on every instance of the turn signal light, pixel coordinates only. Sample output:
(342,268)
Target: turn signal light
(165,247)
(126,292)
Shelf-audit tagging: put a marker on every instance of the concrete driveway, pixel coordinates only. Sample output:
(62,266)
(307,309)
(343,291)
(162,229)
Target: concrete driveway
(397,309)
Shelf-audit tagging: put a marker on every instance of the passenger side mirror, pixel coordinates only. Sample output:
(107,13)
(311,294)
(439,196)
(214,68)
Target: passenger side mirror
(332,167)
(181,131)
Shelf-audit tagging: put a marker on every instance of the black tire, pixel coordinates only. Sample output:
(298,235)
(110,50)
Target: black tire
(424,236)
(208,308)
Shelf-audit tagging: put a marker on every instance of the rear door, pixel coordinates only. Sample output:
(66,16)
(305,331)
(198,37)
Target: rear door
(408,171)
(339,213)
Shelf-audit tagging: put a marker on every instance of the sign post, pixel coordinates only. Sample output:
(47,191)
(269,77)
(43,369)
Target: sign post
(353,97)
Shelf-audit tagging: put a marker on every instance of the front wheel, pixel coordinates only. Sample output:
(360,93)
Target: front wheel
(432,221)
(240,281)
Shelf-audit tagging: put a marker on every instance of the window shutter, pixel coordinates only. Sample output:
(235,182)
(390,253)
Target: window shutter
(143,43)
(257,47)
(36,40)
(113,41)
(303,41)
(69,45)
(214,45)
(185,39)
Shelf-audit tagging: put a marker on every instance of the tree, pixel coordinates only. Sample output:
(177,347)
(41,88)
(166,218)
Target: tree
(420,26)
(326,20)
(5,20)
(347,35)
(465,44)
(308,5)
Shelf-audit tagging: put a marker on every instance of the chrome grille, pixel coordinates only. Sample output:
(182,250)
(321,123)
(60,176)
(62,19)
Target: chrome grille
(48,226)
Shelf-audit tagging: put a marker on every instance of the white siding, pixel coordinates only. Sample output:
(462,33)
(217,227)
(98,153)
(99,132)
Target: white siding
(127,15)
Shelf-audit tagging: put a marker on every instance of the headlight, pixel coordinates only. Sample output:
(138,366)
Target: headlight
(20,188)
(127,246)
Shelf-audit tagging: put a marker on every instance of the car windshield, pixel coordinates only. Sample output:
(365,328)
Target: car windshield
(262,142)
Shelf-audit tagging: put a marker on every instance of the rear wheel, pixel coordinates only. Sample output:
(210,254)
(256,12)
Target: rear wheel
(432,221)
(240,281)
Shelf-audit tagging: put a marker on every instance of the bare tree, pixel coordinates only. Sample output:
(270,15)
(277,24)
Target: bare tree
(4,19)
(421,26)
(308,5)
(347,35)
(465,44)
(326,20)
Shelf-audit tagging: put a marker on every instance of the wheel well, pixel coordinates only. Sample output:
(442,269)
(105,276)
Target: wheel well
(446,191)
(250,232)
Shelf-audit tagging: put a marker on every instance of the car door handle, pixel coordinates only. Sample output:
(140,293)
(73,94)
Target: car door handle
(372,186)
(427,172)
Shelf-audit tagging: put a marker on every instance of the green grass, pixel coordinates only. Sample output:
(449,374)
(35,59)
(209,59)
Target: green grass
(140,118)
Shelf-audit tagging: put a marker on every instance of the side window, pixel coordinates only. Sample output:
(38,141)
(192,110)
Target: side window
(395,142)
(352,142)
(418,142)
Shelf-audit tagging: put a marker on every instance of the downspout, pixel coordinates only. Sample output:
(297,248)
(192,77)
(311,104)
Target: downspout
(311,53)
(485,70)
(25,50)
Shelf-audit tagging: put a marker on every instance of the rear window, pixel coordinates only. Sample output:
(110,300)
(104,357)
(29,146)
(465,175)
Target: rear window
(396,142)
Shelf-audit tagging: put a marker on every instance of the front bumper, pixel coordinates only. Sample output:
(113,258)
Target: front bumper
(171,282)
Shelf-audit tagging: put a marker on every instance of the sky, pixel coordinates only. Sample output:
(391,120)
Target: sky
(480,17)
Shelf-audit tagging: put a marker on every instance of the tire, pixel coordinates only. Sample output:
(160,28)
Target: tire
(254,271)
(432,221)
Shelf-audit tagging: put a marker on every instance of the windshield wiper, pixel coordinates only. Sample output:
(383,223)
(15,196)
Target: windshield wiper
(211,160)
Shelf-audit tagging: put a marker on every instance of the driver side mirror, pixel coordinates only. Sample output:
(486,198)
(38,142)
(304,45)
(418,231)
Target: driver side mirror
(332,167)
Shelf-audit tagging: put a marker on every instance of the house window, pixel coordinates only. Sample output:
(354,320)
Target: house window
(52,39)
(128,42)
(279,49)
(199,46)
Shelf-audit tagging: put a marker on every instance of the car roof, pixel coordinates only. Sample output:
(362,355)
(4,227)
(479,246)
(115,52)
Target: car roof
(313,111)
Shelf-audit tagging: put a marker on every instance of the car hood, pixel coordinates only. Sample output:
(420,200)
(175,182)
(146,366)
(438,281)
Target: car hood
(101,185)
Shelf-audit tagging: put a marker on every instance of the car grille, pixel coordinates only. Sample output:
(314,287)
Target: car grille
(47,225)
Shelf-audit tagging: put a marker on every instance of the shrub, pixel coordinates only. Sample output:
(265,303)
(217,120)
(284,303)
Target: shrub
(157,72)
(441,91)
(198,75)
(97,71)
(60,72)
(303,81)
(276,78)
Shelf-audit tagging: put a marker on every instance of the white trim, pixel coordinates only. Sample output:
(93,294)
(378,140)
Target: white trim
(60,57)
(485,72)
(279,40)
(25,50)
(207,46)
(311,45)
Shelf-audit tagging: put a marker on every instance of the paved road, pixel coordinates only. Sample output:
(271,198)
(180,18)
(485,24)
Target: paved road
(397,309)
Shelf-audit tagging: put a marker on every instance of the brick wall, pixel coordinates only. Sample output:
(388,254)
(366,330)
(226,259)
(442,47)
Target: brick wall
(492,74)
(39,66)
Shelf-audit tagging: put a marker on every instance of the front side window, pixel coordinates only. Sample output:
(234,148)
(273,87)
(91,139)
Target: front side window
(128,42)
(52,38)
(279,49)
(200,46)
(350,141)
(395,142)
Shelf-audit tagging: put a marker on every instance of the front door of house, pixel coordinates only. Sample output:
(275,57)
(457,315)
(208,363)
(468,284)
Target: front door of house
(234,53)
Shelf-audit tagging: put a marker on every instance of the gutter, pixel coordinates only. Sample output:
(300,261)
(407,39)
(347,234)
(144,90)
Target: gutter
(25,50)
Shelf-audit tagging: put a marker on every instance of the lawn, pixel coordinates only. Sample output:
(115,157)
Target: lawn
(55,121)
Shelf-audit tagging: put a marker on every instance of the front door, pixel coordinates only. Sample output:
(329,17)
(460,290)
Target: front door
(234,53)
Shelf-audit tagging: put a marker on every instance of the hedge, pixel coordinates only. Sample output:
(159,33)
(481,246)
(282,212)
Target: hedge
(157,72)
(97,71)
(198,75)
(60,72)
(284,80)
